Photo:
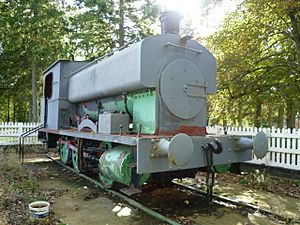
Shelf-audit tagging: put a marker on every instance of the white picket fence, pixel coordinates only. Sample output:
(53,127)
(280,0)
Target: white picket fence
(10,133)
(284,145)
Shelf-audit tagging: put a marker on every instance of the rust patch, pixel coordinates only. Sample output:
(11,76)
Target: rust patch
(189,130)
(172,158)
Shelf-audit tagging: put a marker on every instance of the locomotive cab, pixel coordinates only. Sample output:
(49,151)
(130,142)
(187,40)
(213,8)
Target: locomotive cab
(55,108)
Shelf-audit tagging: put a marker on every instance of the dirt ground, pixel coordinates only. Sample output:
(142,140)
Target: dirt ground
(280,195)
(75,201)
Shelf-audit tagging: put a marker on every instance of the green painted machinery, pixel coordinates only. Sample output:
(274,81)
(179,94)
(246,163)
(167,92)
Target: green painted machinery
(223,168)
(116,165)
(64,153)
(140,106)
(69,156)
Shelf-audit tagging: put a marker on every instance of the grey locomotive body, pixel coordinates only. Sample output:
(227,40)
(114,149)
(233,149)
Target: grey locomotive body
(140,111)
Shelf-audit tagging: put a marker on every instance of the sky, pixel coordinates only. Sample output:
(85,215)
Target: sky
(192,10)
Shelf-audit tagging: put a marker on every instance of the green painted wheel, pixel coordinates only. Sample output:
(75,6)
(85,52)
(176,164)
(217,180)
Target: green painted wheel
(64,154)
(106,182)
(75,161)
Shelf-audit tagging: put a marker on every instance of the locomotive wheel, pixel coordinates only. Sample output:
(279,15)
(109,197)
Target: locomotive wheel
(64,154)
(75,161)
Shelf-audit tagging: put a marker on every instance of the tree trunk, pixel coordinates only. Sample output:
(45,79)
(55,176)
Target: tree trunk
(34,91)
(30,110)
(270,114)
(240,115)
(291,113)
(296,34)
(8,110)
(14,108)
(121,23)
(224,119)
(257,114)
(280,117)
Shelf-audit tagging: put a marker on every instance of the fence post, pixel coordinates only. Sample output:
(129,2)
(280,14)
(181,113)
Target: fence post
(20,131)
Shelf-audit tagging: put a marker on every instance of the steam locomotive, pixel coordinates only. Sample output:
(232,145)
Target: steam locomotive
(139,114)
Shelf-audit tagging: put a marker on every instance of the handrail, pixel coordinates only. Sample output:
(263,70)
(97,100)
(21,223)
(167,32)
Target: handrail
(21,140)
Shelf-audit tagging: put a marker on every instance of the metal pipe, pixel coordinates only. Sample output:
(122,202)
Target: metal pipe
(181,47)
(170,22)
(245,143)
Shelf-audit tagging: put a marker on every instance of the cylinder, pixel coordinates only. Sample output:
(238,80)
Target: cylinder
(119,103)
(170,22)
(259,144)
(116,165)
(245,143)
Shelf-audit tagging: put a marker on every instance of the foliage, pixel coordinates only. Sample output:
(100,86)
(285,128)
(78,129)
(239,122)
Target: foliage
(35,33)
(30,32)
(257,48)
(101,26)
(258,64)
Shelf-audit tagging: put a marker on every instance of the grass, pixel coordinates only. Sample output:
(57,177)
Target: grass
(256,178)
(18,187)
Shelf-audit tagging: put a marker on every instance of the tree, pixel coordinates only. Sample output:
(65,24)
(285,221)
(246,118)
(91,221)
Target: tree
(105,25)
(257,52)
(35,33)
(32,34)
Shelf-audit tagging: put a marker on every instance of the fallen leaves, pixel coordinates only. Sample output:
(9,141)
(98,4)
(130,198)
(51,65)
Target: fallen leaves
(19,187)
(91,196)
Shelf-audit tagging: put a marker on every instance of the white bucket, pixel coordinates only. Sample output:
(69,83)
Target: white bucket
(39,209)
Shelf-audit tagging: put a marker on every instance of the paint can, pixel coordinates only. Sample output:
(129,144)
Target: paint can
(39,209)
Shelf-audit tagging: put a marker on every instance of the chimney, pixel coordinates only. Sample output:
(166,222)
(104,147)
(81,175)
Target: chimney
(170,22)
